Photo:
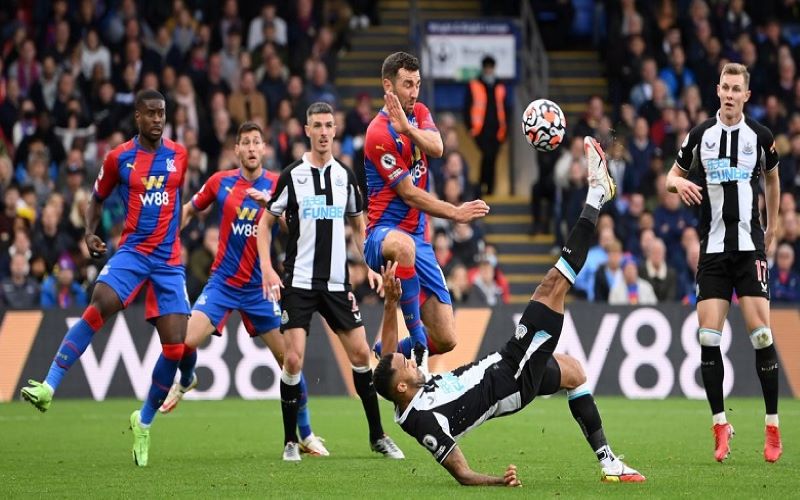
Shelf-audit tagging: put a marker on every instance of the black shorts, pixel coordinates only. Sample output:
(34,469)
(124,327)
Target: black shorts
(339,309)
(719,274)
(527,366)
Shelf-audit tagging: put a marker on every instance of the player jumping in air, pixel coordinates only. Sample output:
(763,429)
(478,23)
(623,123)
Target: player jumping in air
(149,171)
(398,141)
(235,282)
(438,409)
(730,152)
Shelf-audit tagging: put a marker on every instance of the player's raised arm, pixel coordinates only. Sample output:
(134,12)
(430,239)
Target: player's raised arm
(428,203)
(271,283)
(428,140)
(456,464)
(391,291)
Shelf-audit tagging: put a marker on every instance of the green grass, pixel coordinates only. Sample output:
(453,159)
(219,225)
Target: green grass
(232,449)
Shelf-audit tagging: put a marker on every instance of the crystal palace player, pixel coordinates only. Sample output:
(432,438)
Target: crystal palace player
(440,408)
(398,141)
(730,151)
(149,172)
(235,282)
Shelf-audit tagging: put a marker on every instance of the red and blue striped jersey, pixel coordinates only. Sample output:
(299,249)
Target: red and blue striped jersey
(388,158)
(236,261)
(150,186)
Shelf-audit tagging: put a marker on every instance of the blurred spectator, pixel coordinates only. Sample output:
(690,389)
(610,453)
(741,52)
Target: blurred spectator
(212,80)
(43,90)
(49,240)
(590,120)
(455,167)
(94,53)
(357,119)
(19,290)
(658,273)
(458,284)
(608,274)
(442,250)
(486,291)
(200,260)
(641,150)
(597,256)
(247,103)
(784,281)
(267,18)
(677,76)
(273,85)
(60,290)
(687,276)
(467,244)
(631,290)
(26,69)
(319,89)
(670,218)
(643,91)
(791,234)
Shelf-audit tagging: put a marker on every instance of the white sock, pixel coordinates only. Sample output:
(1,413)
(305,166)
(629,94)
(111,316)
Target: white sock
(771,420)
(719,418)
(596,196)
(47,386)
(606,457)
(289,379)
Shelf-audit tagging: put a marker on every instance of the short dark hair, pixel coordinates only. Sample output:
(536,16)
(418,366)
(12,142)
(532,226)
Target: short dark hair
(248,127)
(488,62)
(382,377)
(397,61)
(318,108)
(148,95)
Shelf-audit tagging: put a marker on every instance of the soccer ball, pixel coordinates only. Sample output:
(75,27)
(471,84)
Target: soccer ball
(544,125)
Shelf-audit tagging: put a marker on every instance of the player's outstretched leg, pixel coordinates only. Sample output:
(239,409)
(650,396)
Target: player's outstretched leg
(601,189)
(77,339)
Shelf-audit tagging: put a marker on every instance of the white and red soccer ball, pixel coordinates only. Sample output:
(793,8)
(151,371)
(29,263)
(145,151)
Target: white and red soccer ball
(544,125)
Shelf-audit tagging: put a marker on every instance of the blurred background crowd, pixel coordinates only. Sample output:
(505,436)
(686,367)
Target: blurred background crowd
(70,69)
(69,73)
(663,60)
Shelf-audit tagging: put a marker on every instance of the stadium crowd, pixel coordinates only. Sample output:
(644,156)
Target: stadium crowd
(663,63)
(68,75)
(70,69)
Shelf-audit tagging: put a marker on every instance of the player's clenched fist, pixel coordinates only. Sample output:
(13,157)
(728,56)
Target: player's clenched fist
(471,210)
(510,477)
(96,245)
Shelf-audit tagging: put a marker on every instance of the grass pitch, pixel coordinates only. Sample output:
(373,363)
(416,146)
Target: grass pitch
(232,448)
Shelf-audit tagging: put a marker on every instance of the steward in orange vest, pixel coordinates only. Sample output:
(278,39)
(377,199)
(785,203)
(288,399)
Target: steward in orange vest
(485,118)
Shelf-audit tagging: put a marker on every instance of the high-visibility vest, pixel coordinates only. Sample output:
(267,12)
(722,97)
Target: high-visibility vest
(477,113)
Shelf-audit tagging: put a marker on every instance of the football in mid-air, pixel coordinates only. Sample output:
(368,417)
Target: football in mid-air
(544,125)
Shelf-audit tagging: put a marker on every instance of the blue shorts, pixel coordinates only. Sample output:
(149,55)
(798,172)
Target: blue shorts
(431,278)
(218,300)
(127,271)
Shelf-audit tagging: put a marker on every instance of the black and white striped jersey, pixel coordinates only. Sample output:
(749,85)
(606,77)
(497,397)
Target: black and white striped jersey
(451,404)
(316,202)
(729,161)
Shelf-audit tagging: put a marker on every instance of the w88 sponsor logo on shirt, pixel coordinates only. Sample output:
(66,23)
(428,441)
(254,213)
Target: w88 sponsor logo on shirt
(244,225)
(155,195)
